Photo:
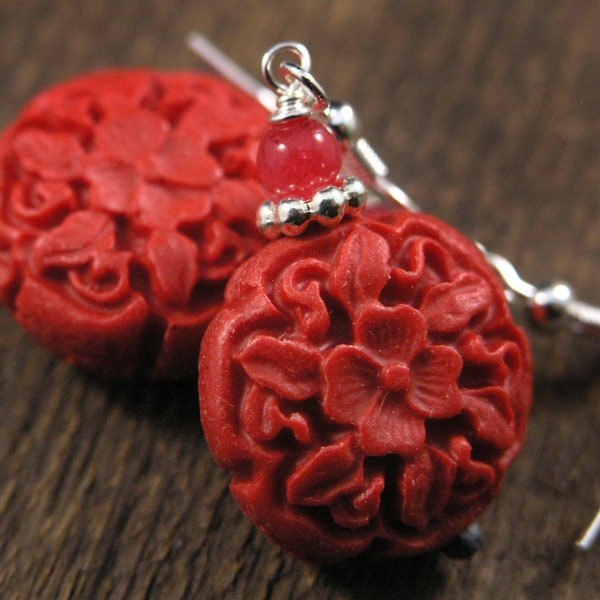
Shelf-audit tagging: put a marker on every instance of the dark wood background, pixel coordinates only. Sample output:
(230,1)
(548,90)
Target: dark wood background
(488,112)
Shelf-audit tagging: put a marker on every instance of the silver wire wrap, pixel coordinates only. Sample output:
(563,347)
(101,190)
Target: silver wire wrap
(299,93)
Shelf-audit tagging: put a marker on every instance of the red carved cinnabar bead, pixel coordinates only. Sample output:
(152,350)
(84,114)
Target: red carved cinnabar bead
(366,387)
(128,198)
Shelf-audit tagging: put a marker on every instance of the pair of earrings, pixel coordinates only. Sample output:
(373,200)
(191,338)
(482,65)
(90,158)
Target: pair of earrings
(364,381)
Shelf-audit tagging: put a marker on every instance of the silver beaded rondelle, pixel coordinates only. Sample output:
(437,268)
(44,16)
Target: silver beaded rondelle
(327,207)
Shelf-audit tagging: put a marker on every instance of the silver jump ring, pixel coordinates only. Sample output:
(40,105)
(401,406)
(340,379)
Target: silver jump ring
(308,83)
(268,63)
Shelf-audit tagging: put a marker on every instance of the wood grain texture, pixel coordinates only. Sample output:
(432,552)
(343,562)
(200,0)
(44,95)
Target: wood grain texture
(489,113)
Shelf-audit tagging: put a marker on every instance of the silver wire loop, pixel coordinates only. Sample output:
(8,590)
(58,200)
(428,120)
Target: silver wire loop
(298,92)
(303,95)
(582,318)
(279,51)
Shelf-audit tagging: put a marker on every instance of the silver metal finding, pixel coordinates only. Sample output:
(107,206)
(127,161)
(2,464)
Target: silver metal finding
(298,93)
(230,70)
(340,117)
(548,307)
(327,207)
(299,51)
(591,534)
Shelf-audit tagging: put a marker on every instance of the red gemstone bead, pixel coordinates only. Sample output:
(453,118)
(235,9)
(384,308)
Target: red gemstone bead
(297,157)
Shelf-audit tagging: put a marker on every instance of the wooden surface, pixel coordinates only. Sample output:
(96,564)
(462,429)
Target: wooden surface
(489,113)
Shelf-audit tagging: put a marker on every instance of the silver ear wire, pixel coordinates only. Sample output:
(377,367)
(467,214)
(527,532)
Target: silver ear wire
(230,70)
(590,535)
(548,307)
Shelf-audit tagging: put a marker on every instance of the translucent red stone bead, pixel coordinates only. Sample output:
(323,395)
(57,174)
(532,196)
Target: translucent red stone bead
(298,157)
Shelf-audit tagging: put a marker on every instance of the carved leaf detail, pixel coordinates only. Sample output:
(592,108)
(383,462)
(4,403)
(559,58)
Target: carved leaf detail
(426,485)
(328,474)
(450,306)
(75,241)
(173,260)
(264,419)
(362,269)
(289,368)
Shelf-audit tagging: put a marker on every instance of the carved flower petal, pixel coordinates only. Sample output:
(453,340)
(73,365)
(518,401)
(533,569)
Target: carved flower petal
(491,416)
(289,368)
(396,333)
(328,474)
(174,267)
(450,306)
(185,160)
(409,261)
(52,156)
(221,250)
(434,392)
(75,241)
(131,135)
(473,477)
(264,419)
(165,207)
(238,162)
(426,486)
(362,269)
(44,203)
(392,427)
(488,363)
(9,263)
(359,510)
(222,117)
(106,281)
(351,384)
(113,184)
(248,196)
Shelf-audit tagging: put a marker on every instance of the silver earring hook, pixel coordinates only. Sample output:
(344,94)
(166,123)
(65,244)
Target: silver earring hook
(557,302)
(590,535)
(230,70)
(299,94)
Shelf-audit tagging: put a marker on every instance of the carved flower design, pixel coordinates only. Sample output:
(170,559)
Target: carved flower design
(128,193)
(366,386)
(391,380)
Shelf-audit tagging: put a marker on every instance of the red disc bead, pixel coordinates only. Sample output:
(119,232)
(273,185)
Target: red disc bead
(297,157)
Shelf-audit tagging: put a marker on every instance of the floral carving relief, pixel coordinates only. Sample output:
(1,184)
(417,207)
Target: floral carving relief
(127,200)
(366,387)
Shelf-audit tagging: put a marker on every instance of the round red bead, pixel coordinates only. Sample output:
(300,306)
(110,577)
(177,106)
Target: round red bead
(297,157)
(366,387)
(127,199)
